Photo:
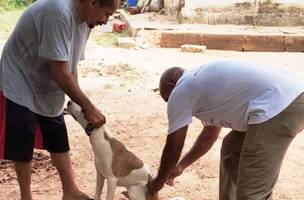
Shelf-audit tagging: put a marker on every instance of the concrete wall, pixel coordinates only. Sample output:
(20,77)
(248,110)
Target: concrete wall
(253,12)
(171,7)
(222,3)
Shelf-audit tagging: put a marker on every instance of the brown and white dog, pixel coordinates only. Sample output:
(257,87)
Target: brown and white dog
(113,161)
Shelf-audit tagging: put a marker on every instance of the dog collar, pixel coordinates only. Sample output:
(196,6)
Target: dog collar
(89,129)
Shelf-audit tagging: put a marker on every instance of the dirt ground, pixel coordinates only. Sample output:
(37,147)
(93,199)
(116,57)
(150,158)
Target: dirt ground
(123,84)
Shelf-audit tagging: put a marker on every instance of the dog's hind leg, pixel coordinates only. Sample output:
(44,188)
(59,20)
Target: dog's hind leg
(111,186)
(99,185)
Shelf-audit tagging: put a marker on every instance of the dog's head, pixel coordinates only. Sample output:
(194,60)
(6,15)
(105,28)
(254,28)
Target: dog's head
(77,113)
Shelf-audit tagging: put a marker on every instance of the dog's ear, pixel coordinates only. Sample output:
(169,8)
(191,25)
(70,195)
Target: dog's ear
(90,127)
(149,177)
(125,193)
(65,111)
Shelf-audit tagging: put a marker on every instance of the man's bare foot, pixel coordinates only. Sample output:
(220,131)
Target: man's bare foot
(76,196)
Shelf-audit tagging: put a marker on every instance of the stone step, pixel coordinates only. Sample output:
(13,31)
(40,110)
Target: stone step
(237,42)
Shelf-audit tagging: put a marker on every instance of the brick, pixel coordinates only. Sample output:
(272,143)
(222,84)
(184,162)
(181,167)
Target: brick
(274,43)
(264,43)
(126,42)
(193,48)
(171,40)
(294,43)
(176,39)
(223,41)
(193,38)
(119,26)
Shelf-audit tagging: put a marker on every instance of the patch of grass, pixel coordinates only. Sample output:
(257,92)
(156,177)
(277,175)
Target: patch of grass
(8,19)
(107,39)
(15,4)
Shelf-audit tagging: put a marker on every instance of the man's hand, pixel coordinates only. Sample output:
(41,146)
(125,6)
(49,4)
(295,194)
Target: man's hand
(94,116)
(153,187)
(68,82)
(171,154)
(177,171)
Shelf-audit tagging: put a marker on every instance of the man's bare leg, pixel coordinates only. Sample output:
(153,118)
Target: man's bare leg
(63,164)
(23,171)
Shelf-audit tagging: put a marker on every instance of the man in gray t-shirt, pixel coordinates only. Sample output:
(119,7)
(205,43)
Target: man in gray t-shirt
(38,67)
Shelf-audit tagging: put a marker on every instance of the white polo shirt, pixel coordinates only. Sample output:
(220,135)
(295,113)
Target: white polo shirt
(231,94)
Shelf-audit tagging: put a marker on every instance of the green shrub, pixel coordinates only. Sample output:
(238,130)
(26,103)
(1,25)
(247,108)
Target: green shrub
(13,4)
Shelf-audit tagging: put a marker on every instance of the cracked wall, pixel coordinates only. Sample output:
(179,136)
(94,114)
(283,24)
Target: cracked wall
(252,12)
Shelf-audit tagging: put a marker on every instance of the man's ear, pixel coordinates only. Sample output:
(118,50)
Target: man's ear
(171,84)
(93,2)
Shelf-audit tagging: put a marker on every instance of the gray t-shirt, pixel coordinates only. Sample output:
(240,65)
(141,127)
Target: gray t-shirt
(48,29)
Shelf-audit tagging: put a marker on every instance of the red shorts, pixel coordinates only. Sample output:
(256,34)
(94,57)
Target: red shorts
(21,130)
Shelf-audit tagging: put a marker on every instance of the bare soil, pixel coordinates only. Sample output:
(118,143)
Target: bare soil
(123,84)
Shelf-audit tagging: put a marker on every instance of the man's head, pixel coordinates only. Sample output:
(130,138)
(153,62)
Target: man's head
(96,12)
(168,81)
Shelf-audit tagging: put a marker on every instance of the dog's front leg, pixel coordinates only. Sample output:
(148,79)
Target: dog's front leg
(99,185)
(111,186)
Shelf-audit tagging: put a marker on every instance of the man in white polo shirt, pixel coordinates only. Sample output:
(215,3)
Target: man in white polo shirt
(263,106)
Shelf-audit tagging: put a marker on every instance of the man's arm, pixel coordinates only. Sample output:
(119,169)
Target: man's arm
(201,146)
(171,154)
(69,84)
(169,159)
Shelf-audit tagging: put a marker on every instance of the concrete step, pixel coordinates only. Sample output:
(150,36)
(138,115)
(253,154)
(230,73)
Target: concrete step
(237,42)
(221,37)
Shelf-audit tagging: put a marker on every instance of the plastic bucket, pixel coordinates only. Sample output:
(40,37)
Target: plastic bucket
(132,3)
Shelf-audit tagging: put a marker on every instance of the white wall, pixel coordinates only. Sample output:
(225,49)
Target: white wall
(217,3)
(299,2)
(210,11)
(222,3)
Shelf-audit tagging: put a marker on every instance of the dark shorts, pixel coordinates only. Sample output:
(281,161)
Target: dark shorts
(20,128)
